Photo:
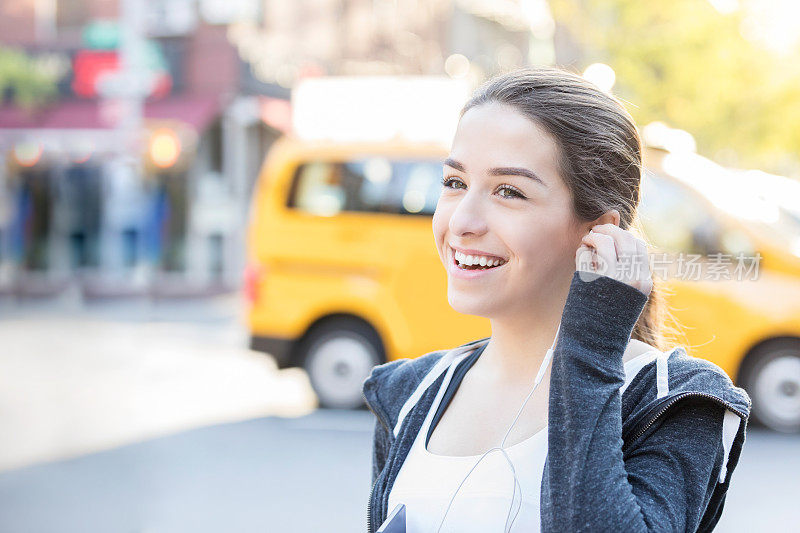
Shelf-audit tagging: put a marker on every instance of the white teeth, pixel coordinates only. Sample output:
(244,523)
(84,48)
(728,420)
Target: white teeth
(468,260)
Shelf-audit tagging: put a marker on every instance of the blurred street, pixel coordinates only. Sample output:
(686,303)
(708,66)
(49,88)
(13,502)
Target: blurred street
(183,180)
(77,379)
(265,475)
(127,419)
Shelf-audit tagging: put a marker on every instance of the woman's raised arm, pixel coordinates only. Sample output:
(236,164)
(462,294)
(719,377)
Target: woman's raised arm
(666,483)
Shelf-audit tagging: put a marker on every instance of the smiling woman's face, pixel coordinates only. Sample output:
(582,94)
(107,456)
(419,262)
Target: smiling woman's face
(503,196)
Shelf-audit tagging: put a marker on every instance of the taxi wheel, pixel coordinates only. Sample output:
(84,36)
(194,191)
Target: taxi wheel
(338,356)
(772,379)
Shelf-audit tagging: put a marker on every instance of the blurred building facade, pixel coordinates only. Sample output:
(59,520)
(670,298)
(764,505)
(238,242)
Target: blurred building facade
(83,206)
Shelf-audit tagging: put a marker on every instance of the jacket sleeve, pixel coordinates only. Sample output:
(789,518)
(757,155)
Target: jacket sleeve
(665,484)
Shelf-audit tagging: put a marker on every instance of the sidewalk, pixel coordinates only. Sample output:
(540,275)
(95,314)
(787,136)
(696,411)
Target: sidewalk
(77,378)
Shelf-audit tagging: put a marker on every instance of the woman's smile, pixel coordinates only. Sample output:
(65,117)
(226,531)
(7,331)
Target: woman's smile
(468,266)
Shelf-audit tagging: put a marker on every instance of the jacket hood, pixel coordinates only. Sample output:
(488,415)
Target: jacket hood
(391,385)
(693,374)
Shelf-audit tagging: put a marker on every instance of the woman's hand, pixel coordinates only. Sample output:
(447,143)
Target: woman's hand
(611,251)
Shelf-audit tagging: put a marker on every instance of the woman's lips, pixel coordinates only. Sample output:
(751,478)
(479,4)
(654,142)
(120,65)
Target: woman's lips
(461,273)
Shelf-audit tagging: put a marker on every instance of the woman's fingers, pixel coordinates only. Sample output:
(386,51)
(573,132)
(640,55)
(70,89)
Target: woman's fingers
(585,259)
(624,241)
(620,255)
(605,251)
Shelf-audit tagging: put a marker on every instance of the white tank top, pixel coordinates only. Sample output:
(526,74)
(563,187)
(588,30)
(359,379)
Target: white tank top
(426,481)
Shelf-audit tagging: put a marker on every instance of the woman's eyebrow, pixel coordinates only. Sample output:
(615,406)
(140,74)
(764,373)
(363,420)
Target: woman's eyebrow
(499,171)
(450,162)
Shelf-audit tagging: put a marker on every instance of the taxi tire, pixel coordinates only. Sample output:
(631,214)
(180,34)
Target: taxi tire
(342,345)
(758,379)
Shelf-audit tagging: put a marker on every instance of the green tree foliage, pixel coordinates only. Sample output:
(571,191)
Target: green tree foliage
(30,86)
(684,63)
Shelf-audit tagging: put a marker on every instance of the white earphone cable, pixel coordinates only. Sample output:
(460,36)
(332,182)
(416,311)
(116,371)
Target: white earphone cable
(539,376)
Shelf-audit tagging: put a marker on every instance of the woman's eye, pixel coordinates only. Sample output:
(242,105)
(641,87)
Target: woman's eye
(447,181)
(514,192)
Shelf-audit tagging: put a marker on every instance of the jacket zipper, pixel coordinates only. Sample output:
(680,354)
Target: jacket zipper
(675,399)
(372,489)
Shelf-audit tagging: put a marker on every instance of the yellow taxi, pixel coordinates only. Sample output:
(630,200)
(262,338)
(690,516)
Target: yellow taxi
(343,273)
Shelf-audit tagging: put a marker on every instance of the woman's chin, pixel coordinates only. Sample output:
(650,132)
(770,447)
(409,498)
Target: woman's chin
(476,305)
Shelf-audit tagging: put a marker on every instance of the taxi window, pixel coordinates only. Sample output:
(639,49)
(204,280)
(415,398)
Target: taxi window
(415,187)
(317,188)
(675,219)
(374,184)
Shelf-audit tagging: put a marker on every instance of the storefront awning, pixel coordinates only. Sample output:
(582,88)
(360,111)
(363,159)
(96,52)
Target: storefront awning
(195,111)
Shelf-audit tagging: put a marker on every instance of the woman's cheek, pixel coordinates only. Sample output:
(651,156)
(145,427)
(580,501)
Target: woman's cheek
(439,226)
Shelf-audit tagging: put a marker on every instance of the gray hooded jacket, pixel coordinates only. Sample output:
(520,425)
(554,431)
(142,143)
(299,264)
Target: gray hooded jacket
(656,454)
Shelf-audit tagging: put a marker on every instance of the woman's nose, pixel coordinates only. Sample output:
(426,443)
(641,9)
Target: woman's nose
(468,216)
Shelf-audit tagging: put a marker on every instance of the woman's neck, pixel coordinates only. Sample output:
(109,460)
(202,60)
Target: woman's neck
(515,352)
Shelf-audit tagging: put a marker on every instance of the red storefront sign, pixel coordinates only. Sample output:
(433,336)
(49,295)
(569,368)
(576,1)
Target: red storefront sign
(89,65)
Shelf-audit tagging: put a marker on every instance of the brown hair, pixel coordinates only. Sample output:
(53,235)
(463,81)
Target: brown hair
(600,155)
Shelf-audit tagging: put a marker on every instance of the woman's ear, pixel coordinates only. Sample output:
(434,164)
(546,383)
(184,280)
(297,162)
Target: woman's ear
(609,217)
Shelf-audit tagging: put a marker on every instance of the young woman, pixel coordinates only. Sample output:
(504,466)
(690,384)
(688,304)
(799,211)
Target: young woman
(572,416)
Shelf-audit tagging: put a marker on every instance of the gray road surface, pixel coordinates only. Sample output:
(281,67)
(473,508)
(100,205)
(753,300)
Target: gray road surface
(307,474)
(153,417)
